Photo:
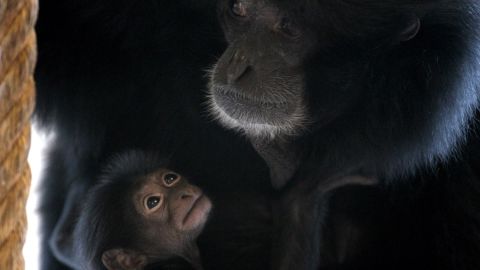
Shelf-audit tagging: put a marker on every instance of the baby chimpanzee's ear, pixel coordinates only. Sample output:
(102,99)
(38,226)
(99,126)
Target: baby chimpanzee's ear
(123,259)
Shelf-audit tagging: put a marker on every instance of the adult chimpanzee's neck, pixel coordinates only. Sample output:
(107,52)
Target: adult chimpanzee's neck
(282,157)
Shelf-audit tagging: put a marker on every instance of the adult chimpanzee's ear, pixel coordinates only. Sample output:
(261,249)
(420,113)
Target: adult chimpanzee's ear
(411,29)
(123,259)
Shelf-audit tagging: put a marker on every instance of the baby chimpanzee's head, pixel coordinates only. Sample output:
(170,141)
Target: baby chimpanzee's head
(141,213)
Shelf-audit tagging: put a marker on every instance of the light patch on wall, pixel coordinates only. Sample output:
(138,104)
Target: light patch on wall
(31,249)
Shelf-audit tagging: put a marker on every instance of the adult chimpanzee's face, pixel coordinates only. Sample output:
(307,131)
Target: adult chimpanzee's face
(257,84)
(278,49)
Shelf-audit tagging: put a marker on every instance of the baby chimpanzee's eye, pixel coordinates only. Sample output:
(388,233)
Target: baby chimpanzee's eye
(152,202)
(170,178)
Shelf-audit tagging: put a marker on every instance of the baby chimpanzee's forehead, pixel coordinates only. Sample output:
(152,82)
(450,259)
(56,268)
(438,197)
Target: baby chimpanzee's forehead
(133,164)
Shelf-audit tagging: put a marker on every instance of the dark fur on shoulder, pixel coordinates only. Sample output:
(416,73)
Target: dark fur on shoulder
(406,112)
(410,103)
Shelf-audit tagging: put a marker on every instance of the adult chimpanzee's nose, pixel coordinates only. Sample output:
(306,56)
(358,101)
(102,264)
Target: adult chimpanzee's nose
(238,66)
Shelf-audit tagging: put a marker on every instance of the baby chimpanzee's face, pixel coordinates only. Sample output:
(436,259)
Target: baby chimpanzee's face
(170,214)
(167,198)
(173,210)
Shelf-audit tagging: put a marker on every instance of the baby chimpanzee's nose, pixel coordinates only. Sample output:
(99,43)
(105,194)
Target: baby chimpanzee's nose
(190,193)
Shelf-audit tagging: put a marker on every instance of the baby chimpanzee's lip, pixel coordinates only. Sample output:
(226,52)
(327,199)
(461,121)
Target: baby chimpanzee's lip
(197,212)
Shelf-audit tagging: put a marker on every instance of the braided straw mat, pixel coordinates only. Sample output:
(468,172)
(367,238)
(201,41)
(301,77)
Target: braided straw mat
(17,95)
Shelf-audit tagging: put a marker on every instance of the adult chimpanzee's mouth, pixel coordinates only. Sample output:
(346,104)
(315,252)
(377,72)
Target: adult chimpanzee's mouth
(249,109)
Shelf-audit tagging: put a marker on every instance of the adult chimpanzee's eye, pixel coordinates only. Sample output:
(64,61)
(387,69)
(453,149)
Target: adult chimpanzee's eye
(238,8)
(287,27)
(152,202)
(170,178)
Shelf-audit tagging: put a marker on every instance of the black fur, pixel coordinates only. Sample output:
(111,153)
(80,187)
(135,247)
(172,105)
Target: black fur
(118,75)
(108,220)
(410,103)
(410,113)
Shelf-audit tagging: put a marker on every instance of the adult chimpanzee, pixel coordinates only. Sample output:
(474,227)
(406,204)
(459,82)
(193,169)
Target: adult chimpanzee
(379,88)
(116,75)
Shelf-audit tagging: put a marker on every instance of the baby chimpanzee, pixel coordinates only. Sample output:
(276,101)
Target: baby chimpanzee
(141,215)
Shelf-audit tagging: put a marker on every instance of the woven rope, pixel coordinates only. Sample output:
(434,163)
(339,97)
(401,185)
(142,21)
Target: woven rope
(17,61)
